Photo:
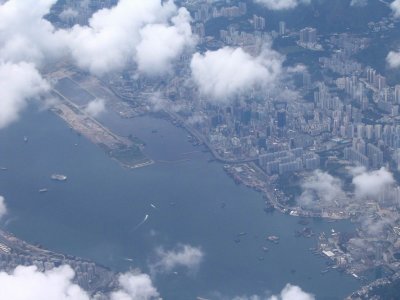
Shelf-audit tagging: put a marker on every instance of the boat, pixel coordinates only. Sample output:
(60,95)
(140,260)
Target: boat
(59,177)
(273,238)
(128,259)
(25,139)
(43,190)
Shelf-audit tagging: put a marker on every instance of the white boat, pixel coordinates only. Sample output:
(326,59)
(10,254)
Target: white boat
(43,190)
(59,177)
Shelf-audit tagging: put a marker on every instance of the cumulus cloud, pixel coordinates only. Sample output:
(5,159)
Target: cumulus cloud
(282,4)
(290,292)
(127,33)
(298,68)
(19,83)
(3,207)
(95,107)
(393,59)
(54,284)
(160,44)
(135,287)
(375,227)
(228,72)
(320,187)
(25,36)
(184,256)
(371,184)
(359,3)
(68,14)
(395,6)
(58,284)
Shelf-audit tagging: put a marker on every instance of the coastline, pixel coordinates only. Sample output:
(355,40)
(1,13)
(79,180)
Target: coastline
(91,276)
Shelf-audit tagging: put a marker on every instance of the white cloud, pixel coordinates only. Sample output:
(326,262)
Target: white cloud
(395,6)
(376,227)
(68,14)
(183,256)
(160,43)
(27,283)
(3,207)
(95,107)
(125,33)
(18,84)
(393,59)
(371,184)
(359,3)
(135,287)
(282,4)
(228,72)
(290,292)
(320,187)
(25,35)
(298,68)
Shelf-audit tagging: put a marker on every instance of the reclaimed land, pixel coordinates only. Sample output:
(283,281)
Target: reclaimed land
(128,153)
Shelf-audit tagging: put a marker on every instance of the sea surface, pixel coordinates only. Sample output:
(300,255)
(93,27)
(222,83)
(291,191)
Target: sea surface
(94,213)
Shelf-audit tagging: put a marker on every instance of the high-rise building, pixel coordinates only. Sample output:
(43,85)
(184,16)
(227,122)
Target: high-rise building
(282,28)
(258,23)
(306,80)
(308,35)
(242,8)
(199,30)
(377,131)
(312,35)
(375,156)
(371,75)
(281,116)
(369,131)
(380,82)
(397,94)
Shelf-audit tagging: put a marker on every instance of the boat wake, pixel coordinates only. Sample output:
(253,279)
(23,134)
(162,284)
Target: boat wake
(146,217)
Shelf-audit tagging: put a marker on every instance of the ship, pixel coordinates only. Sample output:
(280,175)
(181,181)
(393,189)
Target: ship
(43,190)
(273,238)
(59,177)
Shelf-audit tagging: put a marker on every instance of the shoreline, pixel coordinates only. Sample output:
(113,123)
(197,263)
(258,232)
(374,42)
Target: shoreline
(91,276)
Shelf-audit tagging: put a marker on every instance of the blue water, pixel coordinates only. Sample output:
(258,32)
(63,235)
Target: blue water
(93,214)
